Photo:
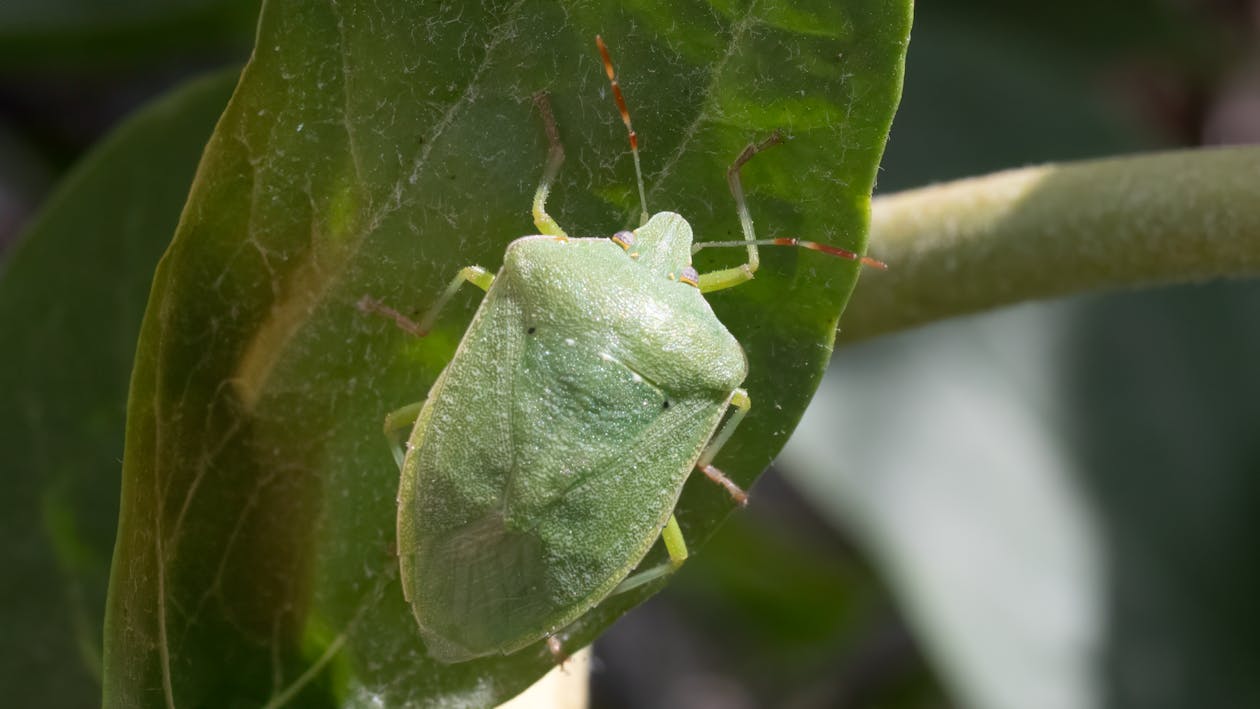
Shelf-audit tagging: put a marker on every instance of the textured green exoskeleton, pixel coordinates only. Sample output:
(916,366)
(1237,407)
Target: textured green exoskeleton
(550,453)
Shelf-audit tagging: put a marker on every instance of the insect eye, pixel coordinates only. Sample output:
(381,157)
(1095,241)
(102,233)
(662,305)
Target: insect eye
(689,276)
(624,239)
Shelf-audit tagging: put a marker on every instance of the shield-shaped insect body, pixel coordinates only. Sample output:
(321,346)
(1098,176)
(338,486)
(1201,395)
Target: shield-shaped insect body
(551,451)
(549,454)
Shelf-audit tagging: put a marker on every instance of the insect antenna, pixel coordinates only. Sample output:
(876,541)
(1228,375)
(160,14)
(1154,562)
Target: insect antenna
(785,241)
(625,118)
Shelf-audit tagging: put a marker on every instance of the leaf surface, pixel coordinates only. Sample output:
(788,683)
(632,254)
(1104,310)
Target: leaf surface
(71,299)
(374,150)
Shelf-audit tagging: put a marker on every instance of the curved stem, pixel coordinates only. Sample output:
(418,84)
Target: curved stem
(1056,230)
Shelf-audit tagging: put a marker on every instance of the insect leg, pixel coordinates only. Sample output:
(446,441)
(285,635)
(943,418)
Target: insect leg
(556,647)
(741,402)
(398,425)
(475,275)
(727,277)
(555,156)
(674,543)
(677,548)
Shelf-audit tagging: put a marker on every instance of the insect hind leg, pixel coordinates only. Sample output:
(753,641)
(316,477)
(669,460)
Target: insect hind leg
(555,157)
(675,545)
(672,535)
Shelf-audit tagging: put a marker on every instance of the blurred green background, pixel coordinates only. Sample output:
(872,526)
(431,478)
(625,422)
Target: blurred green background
(1049,506)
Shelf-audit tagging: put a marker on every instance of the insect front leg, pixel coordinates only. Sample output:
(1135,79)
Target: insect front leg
(475,275)
(555,157)
(727,277)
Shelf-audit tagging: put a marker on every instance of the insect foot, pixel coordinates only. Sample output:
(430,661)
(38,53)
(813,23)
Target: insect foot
(737,493)
(556,648)
(370,305)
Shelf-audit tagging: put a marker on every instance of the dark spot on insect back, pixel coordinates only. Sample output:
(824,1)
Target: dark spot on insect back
(530,331)
(665,405)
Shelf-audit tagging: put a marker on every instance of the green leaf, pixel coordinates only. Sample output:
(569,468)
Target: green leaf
(71,301)
(374,150)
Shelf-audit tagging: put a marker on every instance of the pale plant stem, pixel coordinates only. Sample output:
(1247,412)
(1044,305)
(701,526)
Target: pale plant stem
(1055,230)
(562,688)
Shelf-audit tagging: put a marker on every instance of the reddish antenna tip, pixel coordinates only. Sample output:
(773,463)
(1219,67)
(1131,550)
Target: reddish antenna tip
(620,99)
(832,250)
(603,53)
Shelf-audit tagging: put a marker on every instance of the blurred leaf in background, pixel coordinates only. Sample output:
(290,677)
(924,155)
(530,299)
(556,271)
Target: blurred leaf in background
(70,303)
(71,70)
(25,176)
(1062,495)
(71,35)
(73,289)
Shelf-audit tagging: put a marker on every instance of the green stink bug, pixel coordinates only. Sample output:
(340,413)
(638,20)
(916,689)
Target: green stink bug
(551,451)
